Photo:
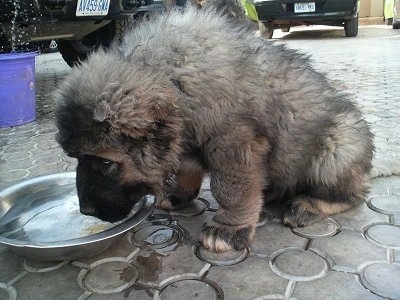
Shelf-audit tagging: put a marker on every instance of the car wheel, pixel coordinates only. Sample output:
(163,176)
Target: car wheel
(266,29)
(351,27)
(73,52)
(120,26)
(396,25)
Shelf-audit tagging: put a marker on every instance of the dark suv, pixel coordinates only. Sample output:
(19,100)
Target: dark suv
(79,26)
(287,13)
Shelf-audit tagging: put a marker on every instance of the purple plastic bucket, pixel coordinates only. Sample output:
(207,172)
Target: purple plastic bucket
(17,88)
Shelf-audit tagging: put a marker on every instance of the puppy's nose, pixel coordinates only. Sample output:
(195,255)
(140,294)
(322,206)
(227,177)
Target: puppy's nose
(88,210)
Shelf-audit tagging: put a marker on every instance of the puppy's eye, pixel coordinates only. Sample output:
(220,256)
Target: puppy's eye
(105,161)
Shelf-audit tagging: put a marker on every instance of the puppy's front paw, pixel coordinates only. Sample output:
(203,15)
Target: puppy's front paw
(173,202)
(222,238)
(164,204)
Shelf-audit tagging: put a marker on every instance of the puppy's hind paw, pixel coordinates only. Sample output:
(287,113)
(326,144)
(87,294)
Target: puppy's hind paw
(301,214)
(221,238)
(293,220)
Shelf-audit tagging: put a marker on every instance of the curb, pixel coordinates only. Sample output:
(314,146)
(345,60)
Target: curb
(371,21)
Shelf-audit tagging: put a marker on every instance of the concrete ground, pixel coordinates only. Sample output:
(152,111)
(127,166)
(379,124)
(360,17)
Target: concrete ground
(353,255)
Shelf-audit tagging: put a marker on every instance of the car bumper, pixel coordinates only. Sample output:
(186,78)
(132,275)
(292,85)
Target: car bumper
(324,10)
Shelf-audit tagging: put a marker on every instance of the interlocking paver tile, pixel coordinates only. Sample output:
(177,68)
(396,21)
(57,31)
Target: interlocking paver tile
(133,293)
(58,284)
(359,217)
(381,278)
(10,265)
(273,237)
(177,262)
(383,234)
(336,285)
(239,281)
(190,289)
(349,248)
(326,227)
(122,248)
(353,255)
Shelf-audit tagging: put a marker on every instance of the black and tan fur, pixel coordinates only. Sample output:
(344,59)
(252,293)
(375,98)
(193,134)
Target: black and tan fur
(194,93)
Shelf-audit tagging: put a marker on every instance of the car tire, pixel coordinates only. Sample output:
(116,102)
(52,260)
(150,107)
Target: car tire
(73,52)
(266,29)
(70,52)
(351,27)
(122,25)
(396,25)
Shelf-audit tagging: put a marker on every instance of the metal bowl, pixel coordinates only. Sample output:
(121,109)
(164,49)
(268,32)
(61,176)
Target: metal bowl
(40,218)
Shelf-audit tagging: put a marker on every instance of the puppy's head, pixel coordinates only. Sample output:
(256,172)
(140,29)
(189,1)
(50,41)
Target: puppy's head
(102,191)
(123,126)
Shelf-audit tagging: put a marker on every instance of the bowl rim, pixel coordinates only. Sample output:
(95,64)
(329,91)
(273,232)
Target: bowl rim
(143,207)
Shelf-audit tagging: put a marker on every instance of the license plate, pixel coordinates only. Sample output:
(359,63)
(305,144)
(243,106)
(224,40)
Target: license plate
(92,8)
(304,7)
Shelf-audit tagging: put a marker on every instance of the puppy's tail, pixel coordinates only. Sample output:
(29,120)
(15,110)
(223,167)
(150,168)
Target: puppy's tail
(384,167)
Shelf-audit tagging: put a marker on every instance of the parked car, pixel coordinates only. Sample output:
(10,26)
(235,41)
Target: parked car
(78,26)
(284,14)
(392,13)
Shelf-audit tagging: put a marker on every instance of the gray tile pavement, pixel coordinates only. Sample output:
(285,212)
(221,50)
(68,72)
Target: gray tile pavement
(353,255)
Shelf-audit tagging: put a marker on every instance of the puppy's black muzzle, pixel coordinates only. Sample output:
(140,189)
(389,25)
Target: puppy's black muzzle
(104,197)
(87,209)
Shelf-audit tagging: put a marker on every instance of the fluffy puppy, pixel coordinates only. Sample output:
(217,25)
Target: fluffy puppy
(191,93)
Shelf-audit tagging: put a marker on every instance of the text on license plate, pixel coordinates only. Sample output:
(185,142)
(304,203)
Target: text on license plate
(304,7)
(92,8)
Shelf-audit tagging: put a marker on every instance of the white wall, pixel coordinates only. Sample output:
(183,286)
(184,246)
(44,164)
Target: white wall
(371,8)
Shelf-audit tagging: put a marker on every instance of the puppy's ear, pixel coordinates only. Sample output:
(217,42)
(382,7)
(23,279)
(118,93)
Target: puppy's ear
(102,111)
(137,112)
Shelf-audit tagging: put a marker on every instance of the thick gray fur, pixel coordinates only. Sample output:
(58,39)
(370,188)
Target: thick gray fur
(252,114)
